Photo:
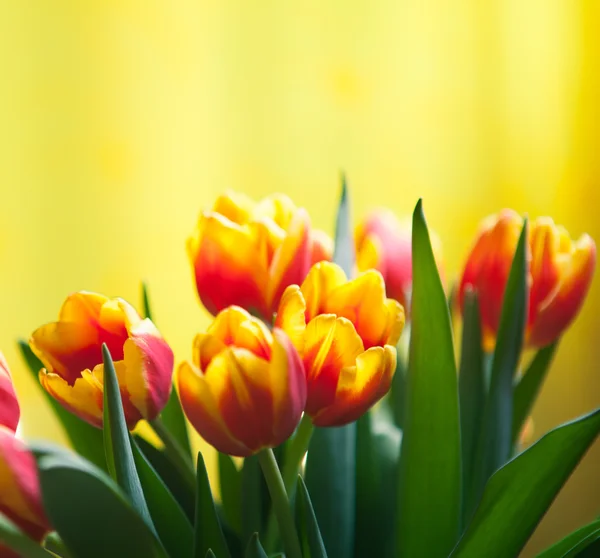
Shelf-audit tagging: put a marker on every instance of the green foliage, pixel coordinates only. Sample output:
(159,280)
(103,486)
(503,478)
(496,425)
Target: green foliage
(430,460)
(16,540)
(308,528)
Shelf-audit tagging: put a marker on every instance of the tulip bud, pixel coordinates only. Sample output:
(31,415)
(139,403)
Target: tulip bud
(384,243)
(560,271)
(245,389)
(246,254)
(9,406)
(346,333)
(71,351)
(20,497)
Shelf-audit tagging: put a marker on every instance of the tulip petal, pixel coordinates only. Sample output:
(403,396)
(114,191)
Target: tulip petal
(202,410)
(321,247)
(561,306)
(20,498)
(277,207)
(363,302)
(291,316)
(331,344)
(360,387)
(229,269)
(9,405)
(84,398)
(321,280)
(291,260)
(236,206)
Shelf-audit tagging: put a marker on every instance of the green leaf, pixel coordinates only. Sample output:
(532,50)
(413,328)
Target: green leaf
(230,480)
(173,527)
(308,528)
(172,415)
(254,497)
(528,387)
(429,487)
(494,446)
(207,529)
(210,554)
(471,385)
(574,542)
(519,494)
(176,484)
(85,439)
(254,548)
(395,398)
(377,450)
(116,440)
(12,537)
(331,460)
(91,514)
(344,253)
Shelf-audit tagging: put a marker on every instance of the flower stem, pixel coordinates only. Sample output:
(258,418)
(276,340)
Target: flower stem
(295,452)
(180,459)
(281,503)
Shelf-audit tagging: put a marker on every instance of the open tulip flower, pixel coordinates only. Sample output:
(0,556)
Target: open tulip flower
(20,497)
(383,242)
(9,406)
(560,273)
(71,351)
(246,254)
(346,332)
(245,389)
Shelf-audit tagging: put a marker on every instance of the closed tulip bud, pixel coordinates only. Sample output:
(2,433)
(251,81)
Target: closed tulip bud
(71,351)
(383,242)
(9,406)
(20,496)
(560,271)
(346,333)
(245,389)
(246,254)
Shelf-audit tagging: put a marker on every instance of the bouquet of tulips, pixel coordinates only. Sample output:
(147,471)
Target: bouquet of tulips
(350,421)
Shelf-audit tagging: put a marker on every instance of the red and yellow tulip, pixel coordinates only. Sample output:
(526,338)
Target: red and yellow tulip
(245,253)
(71,351)
(346,333)
(383,242)
(20,496)
(559,275)
(245,389)
(9,406)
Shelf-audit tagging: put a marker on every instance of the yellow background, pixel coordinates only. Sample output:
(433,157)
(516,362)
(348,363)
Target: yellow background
(121,119)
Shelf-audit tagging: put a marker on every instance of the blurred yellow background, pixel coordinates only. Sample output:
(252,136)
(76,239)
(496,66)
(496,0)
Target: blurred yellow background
(121,119)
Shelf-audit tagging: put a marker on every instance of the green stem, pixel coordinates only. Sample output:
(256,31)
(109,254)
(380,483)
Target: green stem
(180,459)
(281,503)
(295,452)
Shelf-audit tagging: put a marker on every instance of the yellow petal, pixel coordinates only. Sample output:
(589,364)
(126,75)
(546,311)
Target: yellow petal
(321,280)
(235,206)
(291,316)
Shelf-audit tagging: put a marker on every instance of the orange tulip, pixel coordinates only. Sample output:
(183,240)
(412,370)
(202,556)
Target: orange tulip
(346,333)
(245,389)
(9,406)
(560,271)
(20,496)
(71,350)
(383,242)
(246,254)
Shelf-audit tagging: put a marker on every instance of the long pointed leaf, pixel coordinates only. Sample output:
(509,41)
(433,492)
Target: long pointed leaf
(471,385)
(230,481)
(494,446)
(574,542)
(12,537)
(308,528)
(172,525)
(116,441)
(429,487)
(208,533)
(254,548)
(85,439)
(528,387)
(518,495)
(331,460)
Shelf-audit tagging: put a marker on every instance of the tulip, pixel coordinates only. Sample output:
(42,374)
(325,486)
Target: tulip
(383,242)
(560,271)
(20,496)
(246,254)
(245,389)
(346,333)
(71,351)
(9,406)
